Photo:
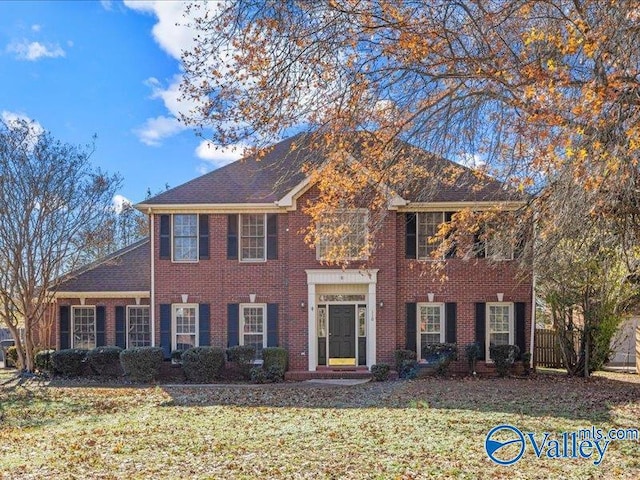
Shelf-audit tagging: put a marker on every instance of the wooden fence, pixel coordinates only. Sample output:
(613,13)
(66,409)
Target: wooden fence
(547,348)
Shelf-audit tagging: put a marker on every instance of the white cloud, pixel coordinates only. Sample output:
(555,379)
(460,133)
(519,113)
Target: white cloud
(119,202)
(471,160)
(33,51)
(107,5)
(12,119)
(36,27)
(218,156)
(156,129)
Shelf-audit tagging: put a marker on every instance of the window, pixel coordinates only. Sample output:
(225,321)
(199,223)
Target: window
(500,329)
(84,327)
(252,238)
(253,327)
(322,321)
(362,321)
(185,238)
(499,247)
(185,326)
(138,327)
(343,237)
(428,224)
(430,325)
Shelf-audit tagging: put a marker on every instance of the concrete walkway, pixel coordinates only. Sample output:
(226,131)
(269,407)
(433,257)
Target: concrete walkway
(339,381)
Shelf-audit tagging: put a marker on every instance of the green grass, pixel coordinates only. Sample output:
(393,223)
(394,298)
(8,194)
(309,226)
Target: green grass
(432,428)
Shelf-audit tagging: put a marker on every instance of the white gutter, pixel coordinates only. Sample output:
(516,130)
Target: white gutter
(152,301)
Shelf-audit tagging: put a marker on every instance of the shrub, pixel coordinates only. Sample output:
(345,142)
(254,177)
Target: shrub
(442,354)
(69,362)
(176,356)
(259,375)
(203,364)
(380,372)
(42,361)
(141,364)
(275,356)
(105,361)
(472,351)
(242,356)
(262,374)
(504,356)
(406,364)
(11,357)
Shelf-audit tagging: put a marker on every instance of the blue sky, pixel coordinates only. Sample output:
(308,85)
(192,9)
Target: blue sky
(109,68)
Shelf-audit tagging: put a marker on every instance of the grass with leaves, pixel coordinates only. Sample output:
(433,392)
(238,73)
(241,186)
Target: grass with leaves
(429,428)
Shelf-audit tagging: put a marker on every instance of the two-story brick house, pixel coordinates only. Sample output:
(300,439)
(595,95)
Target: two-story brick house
(227,264)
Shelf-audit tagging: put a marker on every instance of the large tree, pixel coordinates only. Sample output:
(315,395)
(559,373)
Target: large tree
(53,205)
(541,91)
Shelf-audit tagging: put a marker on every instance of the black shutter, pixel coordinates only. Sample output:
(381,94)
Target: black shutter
(411,327)
(519,317)
(233,324)
(272,325)
(204,325)
(479,246)
(165,237)
(65,327)
(232,237)
(100,326)
(165,329)
(272,236)
(121,326)
(450,322)
(411,236)
(481,327)
(451,253)
(203,232)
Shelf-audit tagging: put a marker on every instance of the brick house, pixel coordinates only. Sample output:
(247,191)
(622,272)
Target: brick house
(226,264)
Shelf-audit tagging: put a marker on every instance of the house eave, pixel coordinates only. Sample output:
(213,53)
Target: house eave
(223,208)
(104,294)
(445,206)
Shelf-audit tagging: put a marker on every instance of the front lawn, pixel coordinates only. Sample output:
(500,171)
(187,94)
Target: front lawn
(403,429)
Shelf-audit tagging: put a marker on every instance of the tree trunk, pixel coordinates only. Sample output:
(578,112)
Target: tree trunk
(18,343)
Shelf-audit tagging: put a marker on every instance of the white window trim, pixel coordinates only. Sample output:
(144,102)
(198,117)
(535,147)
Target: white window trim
(148,307)
(488,324)
(419,332)
(173,259)
(264,321)
(429,257)
(320,258)
(252,260)
(73,322)
(174,334)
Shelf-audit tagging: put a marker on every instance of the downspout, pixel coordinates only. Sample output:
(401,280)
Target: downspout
(533,294)
(152,299)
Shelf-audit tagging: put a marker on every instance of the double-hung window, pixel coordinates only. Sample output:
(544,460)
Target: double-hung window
(185,326)
(84,327)
(185,238)
(500,327)
(253,329)
(499,246)
(430,325)
(138,326)
(344,236)
(428,224)
(253,238)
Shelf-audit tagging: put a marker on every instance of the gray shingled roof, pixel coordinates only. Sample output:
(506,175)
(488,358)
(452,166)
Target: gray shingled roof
(127,270)
(270,178)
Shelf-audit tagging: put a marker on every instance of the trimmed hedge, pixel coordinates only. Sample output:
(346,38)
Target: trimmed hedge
(275,357)
(141,364)
(380,372)
(42,361)
(242,356)
(406,364)
(504,356)
(203,364)
(105,361)
(69,362)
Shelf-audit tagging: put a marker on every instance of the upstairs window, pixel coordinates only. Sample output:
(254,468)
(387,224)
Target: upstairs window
(185,238)
(428,226)
(499,246)
(253,238)
(344,236)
